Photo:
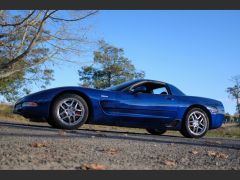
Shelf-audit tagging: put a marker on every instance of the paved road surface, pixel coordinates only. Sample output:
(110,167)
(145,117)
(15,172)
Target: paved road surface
(42,147)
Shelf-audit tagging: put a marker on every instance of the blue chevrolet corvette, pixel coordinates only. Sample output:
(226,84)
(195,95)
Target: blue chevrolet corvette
(153,105)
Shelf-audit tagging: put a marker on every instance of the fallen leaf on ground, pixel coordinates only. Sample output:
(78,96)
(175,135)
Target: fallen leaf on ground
(110,151)
(169,163)
(194,152)
(38,145)
(93,166)
(217,154)
(62,132)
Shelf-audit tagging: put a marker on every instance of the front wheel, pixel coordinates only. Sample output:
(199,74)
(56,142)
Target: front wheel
(195,124)
(69,111)
(156,131)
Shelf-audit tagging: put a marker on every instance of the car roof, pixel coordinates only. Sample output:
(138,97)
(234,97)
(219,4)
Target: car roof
(150,80)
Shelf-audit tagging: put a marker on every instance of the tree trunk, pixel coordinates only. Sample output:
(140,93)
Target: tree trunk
(109,78)
(238,107)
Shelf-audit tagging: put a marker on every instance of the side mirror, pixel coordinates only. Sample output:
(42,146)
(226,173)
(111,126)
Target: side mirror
(139,89)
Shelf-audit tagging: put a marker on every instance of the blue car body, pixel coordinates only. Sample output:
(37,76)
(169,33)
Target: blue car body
(119,107)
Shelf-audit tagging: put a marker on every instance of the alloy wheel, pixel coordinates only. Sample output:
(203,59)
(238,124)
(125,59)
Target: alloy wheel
(197,123)
(70,111)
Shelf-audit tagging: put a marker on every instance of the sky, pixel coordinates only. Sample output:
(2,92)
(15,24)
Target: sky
(197,51)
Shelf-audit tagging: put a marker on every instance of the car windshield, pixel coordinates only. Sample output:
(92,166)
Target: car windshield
(122,86)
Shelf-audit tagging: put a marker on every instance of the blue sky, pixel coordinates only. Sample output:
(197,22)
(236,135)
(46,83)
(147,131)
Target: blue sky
(198,51)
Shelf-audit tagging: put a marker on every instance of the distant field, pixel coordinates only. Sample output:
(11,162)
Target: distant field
(230,130)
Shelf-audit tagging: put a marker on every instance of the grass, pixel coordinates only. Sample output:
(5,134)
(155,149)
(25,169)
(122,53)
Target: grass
(229,130)
(7,114)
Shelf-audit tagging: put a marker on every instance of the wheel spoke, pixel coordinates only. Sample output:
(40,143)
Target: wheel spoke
(195,116)
(63,107)
(78,110)
(65,103)
(76,105)
(201,124)
(191,120)
(72,103)
(194,129)
(69,119)
(191,117)
(64,117)
(62,113)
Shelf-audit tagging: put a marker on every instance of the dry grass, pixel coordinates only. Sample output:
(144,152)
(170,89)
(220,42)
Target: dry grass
(231,130)
(227,130)
(7,114)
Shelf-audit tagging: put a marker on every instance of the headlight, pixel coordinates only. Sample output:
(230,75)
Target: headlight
(29,104)
(212,109)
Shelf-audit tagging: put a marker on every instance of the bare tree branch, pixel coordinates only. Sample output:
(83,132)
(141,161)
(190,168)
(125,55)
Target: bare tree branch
(28,65)
(76,19)
(46,15)
(18,28)
(19,23)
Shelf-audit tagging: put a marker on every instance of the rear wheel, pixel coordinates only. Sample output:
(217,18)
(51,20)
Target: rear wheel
(156,131)
(69,111)
(195,124)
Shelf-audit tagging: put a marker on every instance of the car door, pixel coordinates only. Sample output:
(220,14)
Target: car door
(144,109)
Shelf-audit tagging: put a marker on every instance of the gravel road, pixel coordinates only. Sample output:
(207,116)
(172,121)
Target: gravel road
(42,147)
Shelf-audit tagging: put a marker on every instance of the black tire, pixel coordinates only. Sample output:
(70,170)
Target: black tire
(51,123)
(187,132)
(56,122)
(156,131)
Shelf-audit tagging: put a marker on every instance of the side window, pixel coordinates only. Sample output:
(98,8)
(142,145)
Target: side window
(142,88)
(161,91)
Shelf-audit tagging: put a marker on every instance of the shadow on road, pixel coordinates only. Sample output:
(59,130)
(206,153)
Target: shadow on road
(87,133)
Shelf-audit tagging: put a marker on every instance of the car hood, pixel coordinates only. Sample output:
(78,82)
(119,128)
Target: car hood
(47,93)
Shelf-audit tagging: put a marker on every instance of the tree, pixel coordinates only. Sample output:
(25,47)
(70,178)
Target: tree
(234,92)
(109,67)
(30,41)
(227,117)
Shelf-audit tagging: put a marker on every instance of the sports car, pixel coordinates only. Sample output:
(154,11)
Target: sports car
(153,105)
